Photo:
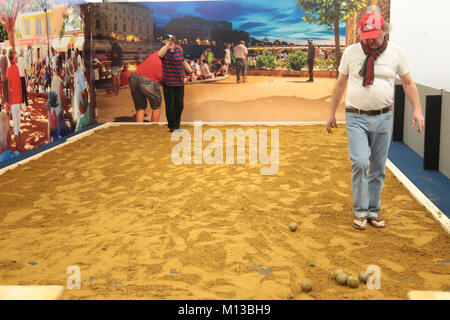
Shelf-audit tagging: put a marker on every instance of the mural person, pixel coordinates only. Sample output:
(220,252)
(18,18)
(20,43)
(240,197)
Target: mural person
(69,74)
(197,69)
(97,64)
(240,52)
(5,138)
(124,75)
(56,124)
(80,112)
(53,59)
(116,65)
(15,97)
(227,56)
(80,61)
(210,57)
(205,71)
(311,60)
(56,105)
(21,62)
(3,78)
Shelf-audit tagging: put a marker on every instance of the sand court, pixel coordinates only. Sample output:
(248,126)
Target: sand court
(141,227)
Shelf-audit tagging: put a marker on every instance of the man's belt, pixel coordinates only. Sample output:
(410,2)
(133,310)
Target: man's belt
(369,112)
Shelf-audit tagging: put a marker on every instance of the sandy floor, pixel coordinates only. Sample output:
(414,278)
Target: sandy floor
(260,99)
(140,226)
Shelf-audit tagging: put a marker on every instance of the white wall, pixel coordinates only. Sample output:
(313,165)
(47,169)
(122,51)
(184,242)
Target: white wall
(422,29)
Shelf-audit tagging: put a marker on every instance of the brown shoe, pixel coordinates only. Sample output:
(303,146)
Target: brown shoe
(360,223)
(377,222)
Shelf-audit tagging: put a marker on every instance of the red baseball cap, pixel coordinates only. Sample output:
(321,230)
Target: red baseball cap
(370,26)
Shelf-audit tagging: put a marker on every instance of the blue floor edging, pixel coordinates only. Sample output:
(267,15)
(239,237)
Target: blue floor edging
(44,147)
(432,183)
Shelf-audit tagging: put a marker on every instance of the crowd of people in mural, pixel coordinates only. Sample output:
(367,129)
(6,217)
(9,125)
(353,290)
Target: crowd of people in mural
(207,66)
(58,77)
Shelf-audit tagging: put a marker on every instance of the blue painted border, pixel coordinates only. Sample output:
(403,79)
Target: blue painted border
(44,147)
(432,183)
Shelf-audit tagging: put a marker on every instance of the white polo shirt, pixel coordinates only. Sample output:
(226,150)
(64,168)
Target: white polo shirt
(391,62)
(240,52)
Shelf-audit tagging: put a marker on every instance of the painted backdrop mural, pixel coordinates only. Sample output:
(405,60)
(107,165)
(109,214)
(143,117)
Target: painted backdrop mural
(275,34)
(50,99)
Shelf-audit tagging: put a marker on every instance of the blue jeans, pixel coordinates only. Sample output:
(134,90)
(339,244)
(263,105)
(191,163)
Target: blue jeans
(368,144)
(241,66)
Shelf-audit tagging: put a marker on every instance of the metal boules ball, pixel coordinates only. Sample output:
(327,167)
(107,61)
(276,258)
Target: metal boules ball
(341,278)
(352,282)
(363,276)
(293,226)
(336,272)
(306,286)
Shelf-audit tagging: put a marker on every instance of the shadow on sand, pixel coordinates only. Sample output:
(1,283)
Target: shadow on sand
(128,119)
(303,81)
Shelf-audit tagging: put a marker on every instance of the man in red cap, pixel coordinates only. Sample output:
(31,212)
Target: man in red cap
(370,68)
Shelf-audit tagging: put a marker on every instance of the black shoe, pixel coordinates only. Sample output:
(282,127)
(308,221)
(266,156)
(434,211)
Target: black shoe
(310,80)
(171,129)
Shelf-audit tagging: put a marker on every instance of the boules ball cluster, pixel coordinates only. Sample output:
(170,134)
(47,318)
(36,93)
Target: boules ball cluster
(350,281)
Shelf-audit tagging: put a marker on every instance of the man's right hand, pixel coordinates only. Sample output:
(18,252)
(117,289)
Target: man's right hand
(331,123)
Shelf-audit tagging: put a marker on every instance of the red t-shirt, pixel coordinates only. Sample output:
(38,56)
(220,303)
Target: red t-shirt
(124,75)
(15,87)
(151,68)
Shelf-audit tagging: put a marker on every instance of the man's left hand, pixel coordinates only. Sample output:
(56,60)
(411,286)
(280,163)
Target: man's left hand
(418,117)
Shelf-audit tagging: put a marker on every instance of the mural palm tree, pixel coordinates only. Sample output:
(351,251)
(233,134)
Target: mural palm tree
(330,13)
(9,10)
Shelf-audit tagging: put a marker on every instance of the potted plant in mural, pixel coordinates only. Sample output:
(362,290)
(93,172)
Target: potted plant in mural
(9,10)
(266,62)
(297,61)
